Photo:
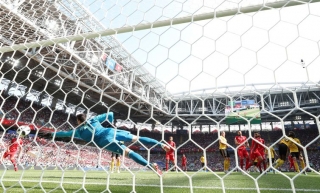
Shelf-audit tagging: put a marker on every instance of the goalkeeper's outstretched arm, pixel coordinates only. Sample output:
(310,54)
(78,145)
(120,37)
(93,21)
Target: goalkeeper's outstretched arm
(102,118)
(60,134)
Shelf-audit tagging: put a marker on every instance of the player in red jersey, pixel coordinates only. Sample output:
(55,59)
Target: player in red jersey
(170,153)
(240,141)
(14,147)
(184,162)
(290,158)
(257,152)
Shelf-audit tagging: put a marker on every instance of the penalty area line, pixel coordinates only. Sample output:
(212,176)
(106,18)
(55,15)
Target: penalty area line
(168,186)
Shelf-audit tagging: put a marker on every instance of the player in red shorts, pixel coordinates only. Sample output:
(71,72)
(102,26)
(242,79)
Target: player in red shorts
(170,153)
(14,147)
(257,152)
(240,141)
(184,162)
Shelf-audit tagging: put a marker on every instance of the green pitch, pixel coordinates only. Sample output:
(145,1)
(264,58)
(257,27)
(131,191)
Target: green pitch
(57,181)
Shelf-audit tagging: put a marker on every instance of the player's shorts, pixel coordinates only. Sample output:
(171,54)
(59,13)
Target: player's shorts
(11,154)
(272,160)
(184,164)
(115,155)
(106,140)
(263,155)
(283,148)
(295,154)
(202,165)
(224,153)
(123,135)
(243,153)
(112,145)
(170,157)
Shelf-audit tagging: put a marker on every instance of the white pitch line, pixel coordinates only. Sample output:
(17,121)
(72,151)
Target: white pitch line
(168,186)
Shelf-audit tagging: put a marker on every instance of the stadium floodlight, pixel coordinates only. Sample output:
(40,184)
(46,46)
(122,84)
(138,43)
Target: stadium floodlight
(12,61)
(51,25)
(57,82)
(303,63)
(313,101)
(94,59)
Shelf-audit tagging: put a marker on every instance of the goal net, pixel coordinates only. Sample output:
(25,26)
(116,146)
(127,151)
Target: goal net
(195,71)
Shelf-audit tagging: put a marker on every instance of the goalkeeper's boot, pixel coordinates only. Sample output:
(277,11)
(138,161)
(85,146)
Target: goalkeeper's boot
(165,147)
(156,167)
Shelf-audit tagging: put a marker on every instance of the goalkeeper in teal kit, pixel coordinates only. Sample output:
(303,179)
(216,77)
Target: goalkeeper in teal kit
(109,138)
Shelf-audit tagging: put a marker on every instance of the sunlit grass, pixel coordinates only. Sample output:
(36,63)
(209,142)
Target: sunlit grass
(147,181)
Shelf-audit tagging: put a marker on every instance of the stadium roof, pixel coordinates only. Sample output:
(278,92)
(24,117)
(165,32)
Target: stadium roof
(250,46)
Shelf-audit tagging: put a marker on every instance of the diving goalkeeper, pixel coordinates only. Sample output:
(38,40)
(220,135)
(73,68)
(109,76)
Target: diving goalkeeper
(109,138)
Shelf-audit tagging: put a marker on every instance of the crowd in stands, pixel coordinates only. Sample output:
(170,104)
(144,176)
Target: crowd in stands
(30,112)
(46,152)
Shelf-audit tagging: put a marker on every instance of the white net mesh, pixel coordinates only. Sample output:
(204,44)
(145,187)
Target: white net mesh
(188,69)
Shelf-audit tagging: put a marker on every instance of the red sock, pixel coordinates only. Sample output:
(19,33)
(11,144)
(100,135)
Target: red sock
(259,166)
(248,166)
(247,163)
(14,162)
(264,165)
(167,166)
(241,163)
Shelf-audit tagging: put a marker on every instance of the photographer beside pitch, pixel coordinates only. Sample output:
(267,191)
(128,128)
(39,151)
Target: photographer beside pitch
(109,138)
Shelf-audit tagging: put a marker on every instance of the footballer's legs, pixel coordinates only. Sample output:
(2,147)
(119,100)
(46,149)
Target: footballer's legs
(14,163)
(225,165)
(121,149)
(227,158)
(5,155)
(174,164)
(140,160)
(167,164)
(251,162)
(228,163)
(241,162)
(184,167)
(282,155)
(241,158)
(295,163)
(264,162)
(150,141)
(118,163)
(261,160)
(303,165)
(112,163)
(247,161)
(126,136)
